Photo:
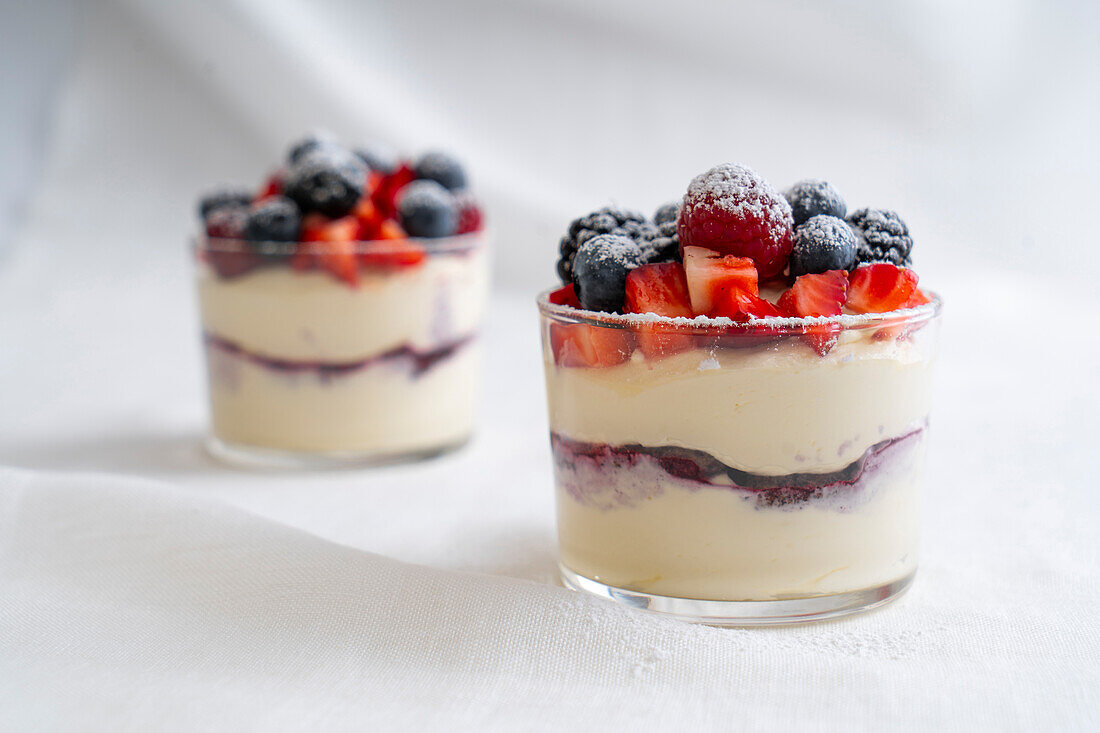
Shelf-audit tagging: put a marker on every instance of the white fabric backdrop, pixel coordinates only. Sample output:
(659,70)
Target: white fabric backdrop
(423,595)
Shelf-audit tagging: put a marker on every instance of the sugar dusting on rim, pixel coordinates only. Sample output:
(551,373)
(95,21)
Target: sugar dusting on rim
(703,322)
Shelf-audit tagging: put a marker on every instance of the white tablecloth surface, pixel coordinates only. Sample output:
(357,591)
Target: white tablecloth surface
(144,586)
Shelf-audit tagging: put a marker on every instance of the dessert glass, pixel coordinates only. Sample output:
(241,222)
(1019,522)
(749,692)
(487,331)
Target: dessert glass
(305,370)
(739,477)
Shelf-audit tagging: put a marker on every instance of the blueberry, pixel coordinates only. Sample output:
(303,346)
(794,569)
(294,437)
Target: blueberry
(276,219)
(378,158)
(235,197)
(813,197)
(315,140)
(326,180)
(427,209)
(600,269)
(668,212)
(883,237)
(823,243)
(441,168)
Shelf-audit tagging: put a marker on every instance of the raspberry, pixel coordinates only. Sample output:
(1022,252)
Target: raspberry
(608,220)
(732,210)
(883,237)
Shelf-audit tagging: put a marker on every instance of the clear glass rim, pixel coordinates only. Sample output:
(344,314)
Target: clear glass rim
(437,245)
(705,325)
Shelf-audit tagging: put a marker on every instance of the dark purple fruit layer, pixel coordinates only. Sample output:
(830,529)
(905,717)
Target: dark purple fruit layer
(699,469)
(420,361)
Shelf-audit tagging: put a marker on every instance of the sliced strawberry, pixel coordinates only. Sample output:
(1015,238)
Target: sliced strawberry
(392,253)
(386,192)
(369,218)
(919,297)
(710,275)
(739,306)
(390,229)
(335,245)
(660,289)
(273,186)
(817,295)
(585,345)
(880,288)
(565,295)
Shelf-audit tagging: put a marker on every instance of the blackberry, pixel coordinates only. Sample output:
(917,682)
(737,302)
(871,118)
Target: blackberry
(608,220)
(665,247)
(326,180)
(670,212)
(823,243)
(426,209)
(441,168)
(226,197)
(313,141)
(276,219)
(882,237)
(813,197)
(602,264)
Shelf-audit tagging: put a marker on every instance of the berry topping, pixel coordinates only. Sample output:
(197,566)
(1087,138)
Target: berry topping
(335,248)
(378,159)
(233,198)
(226,222)
(600,269)
(817,295)
(315,140)
(384,195)
(883,237)
(608,220)
(740,306)
(565,295)
(733,211)
(669,213)
(427,209)
(276,219)
(813,197)
(326,180)
(880,288)
(660,289)
(823,243)
(441,168)
(665,245)
(469,215)
(273,186)
(711,275)
(585,345)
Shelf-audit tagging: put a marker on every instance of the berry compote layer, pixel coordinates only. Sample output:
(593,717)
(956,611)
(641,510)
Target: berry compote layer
(722,435)
(341,305)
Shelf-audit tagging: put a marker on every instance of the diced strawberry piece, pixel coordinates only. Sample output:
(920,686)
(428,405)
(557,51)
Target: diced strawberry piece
(392,253)
(919,297)
(469,216)
(273,186)
(232,264)
(740,306)
(585,345)
(390,229)
(660,289)
(710,275)
(817,295)
(880,288)
(385,194)
(335,246)
(565,295)
(370,219)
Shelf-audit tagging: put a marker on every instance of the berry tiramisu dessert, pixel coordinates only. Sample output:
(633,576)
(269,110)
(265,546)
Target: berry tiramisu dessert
(340,307)
(738,395)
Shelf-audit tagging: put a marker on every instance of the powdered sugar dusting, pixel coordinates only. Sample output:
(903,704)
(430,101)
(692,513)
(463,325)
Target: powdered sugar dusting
(724,187)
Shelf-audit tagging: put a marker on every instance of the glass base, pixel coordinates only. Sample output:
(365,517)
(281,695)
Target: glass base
(745,613)
(253,457)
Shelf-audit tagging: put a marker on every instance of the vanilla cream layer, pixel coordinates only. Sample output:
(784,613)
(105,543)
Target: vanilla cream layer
(773,411)
(310,316)
(381,409)
(716,544)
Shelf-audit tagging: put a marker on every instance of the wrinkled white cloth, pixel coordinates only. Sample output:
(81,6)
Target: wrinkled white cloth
(145,587)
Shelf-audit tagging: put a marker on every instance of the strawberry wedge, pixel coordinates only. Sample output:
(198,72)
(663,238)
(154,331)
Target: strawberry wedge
(880,288)
(660,289)
(335,248)
(817,295)
(711,275)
